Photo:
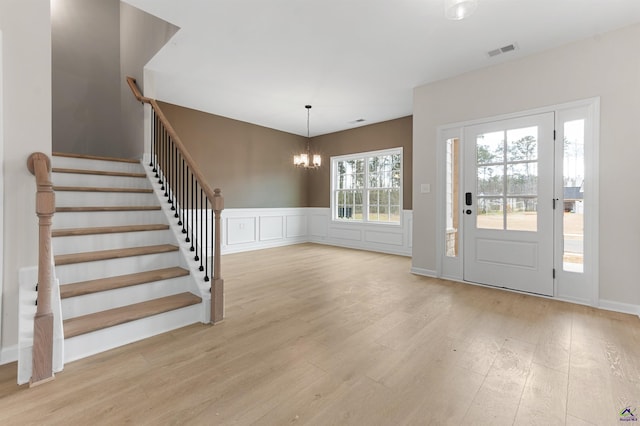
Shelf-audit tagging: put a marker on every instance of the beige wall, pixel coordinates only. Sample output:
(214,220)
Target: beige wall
(607,66)
(253,165)
(26,127)
(388,134)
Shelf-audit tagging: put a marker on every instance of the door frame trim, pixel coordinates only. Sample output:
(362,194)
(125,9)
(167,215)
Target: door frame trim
(453,270)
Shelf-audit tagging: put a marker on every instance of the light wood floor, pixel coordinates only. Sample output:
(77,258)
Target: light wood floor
(319,335)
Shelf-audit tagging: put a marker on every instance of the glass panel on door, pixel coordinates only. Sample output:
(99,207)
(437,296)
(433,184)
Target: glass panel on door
(573,196)
(507,179)
(452,185)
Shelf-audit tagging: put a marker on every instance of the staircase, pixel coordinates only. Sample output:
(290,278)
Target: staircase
(122,274)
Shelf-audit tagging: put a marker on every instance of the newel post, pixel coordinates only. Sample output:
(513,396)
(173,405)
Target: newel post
(217,284)
(42,371)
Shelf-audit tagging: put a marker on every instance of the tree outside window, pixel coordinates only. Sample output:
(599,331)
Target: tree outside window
(367,187)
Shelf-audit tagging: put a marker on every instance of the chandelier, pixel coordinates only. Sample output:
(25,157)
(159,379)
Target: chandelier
(459,9)
(305,159)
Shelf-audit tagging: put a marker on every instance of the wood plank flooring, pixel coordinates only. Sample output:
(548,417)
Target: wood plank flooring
(318,335)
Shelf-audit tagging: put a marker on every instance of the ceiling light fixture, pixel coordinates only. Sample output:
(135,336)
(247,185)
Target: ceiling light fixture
(303,160)
(459,9)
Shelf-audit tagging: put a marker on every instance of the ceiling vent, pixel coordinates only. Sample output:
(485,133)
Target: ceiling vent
(504,49)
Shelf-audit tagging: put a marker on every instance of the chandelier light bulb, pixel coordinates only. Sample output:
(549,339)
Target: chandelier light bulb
(305,159)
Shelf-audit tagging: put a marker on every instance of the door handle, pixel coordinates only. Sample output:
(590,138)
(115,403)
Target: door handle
(468,211)
(468,200)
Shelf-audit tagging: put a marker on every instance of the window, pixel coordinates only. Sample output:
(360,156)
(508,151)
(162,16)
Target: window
(452,196)
(573,195)
(367,187)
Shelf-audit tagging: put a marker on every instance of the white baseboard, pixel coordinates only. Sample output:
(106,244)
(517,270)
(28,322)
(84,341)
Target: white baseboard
(625,308)
(262,245)
(609,305)
(385,250)
(9,354)
(575,300)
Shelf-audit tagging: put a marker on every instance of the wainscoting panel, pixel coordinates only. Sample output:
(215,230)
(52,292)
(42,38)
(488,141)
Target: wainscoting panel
(319,224)
(271,228)
(394,239)
(296,226)
(384,237)
(255,229)
(241,230)
(336,233)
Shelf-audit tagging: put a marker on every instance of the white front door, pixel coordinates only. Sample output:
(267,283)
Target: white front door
(508,203)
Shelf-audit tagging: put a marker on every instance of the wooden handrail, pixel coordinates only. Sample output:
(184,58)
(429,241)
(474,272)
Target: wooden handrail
(213,195)
(136,92)
(42,358)
(176,139)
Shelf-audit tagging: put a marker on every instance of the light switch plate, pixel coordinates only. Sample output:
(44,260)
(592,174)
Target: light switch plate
(425,188)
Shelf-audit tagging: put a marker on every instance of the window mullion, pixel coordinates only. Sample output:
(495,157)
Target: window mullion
(365,189)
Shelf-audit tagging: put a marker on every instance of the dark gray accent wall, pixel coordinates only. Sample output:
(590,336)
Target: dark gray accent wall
(253,165)
(141,37)
(85,50)
(96,44)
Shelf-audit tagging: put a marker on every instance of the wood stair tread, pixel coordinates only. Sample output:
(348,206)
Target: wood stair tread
(94,157)
(101,189)
(105,208)
(103,284)
(98,172)
(69,232)
(91,256)
(109,318)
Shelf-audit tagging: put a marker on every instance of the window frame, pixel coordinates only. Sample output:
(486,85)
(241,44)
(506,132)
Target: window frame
(366,156)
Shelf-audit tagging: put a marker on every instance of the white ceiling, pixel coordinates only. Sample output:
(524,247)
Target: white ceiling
(261,61)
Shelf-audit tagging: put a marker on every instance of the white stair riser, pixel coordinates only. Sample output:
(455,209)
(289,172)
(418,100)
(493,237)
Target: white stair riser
(76,179)
(64,220)
(86,164)
(113,337)
(101,199)
(108,268)
(91,303)
(83,243)
(102,340)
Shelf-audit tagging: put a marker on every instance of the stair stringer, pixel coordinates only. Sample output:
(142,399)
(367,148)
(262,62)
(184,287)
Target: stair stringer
(198,285)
